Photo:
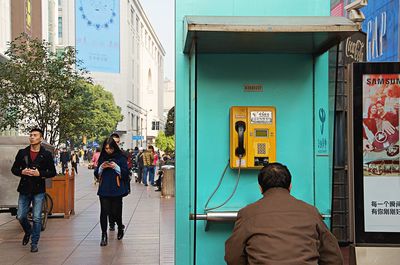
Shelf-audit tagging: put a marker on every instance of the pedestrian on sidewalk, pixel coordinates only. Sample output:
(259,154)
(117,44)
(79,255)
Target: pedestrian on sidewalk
(75,161)
(140,165)
(112,174)
(281,228)
(148,162)
(117,140)
(64,158)
(95,157)
(33,165)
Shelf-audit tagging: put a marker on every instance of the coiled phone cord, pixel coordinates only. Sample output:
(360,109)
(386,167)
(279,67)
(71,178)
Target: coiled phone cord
(219,184)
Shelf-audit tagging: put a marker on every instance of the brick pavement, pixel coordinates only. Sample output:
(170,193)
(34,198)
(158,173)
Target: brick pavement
(149,237)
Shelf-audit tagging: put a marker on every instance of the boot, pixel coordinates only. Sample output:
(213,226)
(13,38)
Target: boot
(104,239)
(120,234)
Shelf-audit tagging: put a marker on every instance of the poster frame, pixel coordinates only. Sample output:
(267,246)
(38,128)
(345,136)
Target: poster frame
(362,237)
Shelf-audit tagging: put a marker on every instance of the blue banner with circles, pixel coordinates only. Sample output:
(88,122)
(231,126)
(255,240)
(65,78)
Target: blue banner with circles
(97,27)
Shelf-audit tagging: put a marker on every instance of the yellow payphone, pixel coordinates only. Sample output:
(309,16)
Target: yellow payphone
(252,136)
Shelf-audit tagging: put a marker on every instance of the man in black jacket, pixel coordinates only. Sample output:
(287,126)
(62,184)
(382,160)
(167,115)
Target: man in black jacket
(64,158)
(33,164)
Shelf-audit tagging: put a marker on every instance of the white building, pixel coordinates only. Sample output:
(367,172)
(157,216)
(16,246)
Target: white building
(35,18)
(42,14)
(137,85)
(169,95)
(5,27)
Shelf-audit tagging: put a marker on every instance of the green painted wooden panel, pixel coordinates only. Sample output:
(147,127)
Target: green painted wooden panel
(287,81)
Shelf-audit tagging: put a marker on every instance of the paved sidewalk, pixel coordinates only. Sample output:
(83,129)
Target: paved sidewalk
(149,236)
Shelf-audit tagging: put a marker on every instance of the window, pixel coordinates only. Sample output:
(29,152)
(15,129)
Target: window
(155,125)
(60,27)
(149,80)
(132,16)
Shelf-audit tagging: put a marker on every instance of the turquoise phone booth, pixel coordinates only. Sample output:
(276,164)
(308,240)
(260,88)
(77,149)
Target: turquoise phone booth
(237,53)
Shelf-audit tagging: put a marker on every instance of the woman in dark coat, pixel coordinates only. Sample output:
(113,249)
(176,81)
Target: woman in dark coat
(112,174)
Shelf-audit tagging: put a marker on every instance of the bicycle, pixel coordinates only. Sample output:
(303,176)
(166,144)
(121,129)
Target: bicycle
(47,208)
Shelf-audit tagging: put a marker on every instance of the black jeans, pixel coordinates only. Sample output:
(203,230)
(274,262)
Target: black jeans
(110,206)
(140,174)
(75,166)
(159,180)
(63,167)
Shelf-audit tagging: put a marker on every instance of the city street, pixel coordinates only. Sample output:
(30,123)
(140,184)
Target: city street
(149,233)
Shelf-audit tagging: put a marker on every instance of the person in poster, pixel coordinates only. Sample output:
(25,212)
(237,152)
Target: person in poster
(381,95)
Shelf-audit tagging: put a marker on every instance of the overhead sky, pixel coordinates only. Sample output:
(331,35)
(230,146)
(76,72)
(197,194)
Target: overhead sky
(161,16)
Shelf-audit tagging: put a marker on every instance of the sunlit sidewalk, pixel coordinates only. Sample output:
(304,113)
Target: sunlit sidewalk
(149,237)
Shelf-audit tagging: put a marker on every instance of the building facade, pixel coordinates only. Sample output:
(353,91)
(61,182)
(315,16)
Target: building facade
(5,27)
(34,18)
(118,45)
(380,43)
(382,28)
(169,95)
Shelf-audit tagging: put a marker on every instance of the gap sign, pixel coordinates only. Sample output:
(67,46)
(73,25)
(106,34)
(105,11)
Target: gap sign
(137,137)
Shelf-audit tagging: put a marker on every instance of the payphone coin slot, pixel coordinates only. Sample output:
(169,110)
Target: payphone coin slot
(261,161)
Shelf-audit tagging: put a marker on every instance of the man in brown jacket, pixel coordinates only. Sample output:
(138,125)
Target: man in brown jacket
(148,162)
(279,229)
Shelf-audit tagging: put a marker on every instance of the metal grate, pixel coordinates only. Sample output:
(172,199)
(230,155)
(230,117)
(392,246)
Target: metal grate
(253,88)
(261,149)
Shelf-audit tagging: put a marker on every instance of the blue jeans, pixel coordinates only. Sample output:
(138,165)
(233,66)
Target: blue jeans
(149,169)
(24,202)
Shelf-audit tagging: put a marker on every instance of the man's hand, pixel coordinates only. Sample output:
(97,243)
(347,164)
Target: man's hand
(26,171)
(30,172)
(35,173)
(388,127)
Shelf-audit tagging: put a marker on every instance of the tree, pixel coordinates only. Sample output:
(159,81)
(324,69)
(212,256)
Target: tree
(170,126)
(39,88)
(165,143)
(104,113)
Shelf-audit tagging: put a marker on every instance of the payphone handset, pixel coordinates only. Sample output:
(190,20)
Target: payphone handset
(252,136)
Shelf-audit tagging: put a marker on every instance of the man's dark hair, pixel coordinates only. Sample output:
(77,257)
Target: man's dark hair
(274,175)
(37,130)
(114,135)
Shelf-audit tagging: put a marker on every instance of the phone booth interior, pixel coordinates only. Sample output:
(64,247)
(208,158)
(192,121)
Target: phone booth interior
(281,81)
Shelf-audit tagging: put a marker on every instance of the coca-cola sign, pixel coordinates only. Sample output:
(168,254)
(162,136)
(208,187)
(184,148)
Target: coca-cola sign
(355,48)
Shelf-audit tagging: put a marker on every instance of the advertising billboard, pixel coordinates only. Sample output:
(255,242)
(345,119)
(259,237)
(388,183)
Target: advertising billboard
(376,154)
(98,35)
(381,25)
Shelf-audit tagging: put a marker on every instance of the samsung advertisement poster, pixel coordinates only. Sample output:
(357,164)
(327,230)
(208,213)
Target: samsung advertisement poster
(98,35)
(376,104)
(381,152)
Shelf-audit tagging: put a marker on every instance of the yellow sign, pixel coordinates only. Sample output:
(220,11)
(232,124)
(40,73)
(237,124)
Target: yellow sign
(28,14)
(252,136)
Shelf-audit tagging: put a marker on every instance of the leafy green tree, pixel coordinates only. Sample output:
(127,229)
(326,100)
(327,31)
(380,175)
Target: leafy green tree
(104,113)
(170,126)
(165,143)
(41,88)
